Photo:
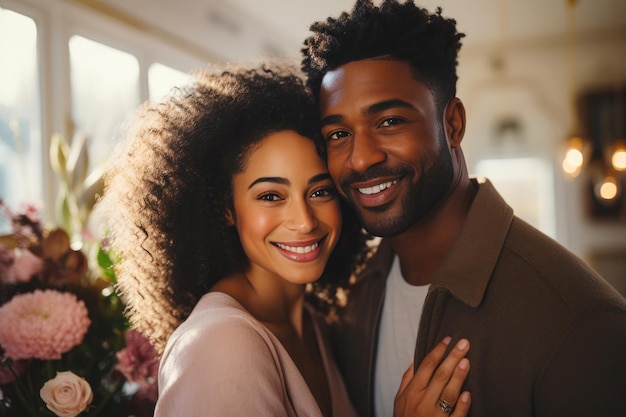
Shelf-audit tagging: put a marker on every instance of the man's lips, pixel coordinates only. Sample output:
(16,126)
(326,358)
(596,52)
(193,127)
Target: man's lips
(374,194)
(375,189)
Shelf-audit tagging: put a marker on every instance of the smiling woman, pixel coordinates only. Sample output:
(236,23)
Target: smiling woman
(286,211)
(223,213)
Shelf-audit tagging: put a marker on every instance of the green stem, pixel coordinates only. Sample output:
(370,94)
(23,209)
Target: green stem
(20,390)
(105,400)
(50,370)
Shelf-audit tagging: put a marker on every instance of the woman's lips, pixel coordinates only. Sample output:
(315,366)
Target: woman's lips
(300,251)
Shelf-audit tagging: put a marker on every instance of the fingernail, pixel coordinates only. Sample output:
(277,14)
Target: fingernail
(446,340)
(462,344)
(465,397)
(464,364)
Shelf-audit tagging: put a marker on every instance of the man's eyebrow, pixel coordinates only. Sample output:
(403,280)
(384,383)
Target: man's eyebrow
(373,109)
(332,119)
(284,181)
(386,105)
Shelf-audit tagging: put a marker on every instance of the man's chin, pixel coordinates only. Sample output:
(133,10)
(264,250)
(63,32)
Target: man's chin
(381,223)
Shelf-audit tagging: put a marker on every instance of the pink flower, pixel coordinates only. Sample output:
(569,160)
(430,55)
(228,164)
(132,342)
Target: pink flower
(42,324)
(138,362)
(6,365)
(6,264)
(26,265)
(67,394)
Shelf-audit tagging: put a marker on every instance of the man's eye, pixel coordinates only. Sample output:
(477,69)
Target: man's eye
(337,135)
(392,121)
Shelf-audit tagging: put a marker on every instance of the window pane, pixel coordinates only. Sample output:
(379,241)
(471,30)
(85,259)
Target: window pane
(21,175)
(161,79)
(105,91)
(526,185)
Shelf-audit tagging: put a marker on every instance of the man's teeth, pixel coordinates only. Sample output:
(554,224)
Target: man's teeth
(298,249)
(377,188)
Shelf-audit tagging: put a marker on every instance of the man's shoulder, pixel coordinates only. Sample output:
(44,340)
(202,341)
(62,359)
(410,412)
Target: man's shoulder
(542,258)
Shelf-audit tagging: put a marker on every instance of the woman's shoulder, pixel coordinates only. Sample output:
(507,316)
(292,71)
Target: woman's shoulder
(221,346)
(217,319)
(219,334)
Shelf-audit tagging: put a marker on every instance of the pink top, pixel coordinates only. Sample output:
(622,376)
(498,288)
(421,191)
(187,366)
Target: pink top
(223,362)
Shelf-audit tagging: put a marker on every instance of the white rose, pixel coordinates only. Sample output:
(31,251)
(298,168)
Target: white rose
(67,394)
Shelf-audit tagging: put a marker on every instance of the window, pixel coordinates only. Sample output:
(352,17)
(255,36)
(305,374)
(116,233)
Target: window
(526,185)
(72,70)
(105,92)
(162,79)
(20,121)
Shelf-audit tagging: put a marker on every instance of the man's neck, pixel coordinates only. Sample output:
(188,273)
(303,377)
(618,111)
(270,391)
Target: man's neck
(423,247)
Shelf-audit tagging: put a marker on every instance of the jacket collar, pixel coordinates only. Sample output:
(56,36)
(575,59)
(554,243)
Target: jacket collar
(467,268)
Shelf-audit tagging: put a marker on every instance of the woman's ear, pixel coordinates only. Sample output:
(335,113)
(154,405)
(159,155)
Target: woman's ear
(230,217)
(454,122)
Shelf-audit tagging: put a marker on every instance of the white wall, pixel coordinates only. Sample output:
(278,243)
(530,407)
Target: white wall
(533,85)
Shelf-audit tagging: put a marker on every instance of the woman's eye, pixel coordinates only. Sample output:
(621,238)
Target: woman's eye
(337,135)
(324,192)
(392,121)
(269,197)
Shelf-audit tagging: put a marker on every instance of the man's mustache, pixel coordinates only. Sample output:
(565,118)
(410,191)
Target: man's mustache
(372,173)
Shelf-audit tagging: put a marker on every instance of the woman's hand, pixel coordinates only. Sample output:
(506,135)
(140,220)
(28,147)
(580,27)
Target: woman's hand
(435,389)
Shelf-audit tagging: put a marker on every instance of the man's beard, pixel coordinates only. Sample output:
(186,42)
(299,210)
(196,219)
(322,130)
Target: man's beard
(423,194)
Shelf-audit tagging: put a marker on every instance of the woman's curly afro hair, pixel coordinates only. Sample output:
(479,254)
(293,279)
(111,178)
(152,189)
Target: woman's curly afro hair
(402,31)
(169,183)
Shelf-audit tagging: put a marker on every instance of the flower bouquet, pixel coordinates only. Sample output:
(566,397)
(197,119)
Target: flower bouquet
(66,348)
(65,344)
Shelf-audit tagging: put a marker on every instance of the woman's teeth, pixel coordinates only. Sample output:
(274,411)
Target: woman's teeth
(298,249)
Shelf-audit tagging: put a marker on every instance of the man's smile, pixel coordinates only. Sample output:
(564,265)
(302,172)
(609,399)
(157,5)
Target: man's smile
(377,188)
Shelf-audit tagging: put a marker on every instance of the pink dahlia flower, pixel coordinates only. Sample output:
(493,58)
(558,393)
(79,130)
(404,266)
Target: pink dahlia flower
(42,324)
(139,364)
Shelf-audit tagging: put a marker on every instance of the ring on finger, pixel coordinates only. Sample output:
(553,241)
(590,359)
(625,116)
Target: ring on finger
(444,406)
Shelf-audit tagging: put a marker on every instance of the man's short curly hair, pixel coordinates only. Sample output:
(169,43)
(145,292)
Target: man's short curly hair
(169,183)
(403,31)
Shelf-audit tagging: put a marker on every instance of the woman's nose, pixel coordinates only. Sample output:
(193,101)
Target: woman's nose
(301,217)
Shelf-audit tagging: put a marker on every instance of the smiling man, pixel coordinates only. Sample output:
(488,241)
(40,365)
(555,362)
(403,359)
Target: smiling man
(548,333)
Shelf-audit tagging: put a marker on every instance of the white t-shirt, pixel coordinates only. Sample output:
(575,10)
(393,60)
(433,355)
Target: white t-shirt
(402,311)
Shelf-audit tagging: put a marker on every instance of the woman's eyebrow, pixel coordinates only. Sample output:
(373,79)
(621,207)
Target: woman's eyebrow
(319,177)
(284,181)
(275,180)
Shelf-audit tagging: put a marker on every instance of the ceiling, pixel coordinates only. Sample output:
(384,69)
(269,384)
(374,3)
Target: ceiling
(284,23)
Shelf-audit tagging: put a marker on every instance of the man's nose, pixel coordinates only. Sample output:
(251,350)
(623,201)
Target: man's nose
(365,153)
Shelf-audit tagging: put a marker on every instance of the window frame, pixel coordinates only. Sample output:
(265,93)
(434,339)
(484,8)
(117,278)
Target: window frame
(57,21)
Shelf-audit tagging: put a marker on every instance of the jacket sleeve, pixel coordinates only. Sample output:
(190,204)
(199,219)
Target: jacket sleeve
(229,370)
(587,375)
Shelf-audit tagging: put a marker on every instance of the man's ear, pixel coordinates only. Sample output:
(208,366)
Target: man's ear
(454,122)
(230,217)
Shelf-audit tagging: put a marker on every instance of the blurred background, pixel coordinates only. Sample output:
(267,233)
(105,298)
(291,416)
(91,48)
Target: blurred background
(543,82)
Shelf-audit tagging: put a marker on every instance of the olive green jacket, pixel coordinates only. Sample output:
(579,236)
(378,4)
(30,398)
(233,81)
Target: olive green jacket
(547,333)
